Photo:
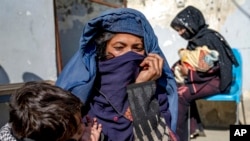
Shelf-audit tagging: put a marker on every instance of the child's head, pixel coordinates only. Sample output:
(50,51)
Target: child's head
(180,51)
(44,112)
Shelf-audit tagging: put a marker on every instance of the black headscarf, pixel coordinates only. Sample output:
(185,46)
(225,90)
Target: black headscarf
(198,34)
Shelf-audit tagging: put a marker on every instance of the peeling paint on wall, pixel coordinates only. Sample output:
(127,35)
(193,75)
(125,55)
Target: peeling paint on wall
(161,12)
(72,11)
(69,11)
(72,15)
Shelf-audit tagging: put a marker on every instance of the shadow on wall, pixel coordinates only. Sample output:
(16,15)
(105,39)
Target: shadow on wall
(28,76)
(4,78)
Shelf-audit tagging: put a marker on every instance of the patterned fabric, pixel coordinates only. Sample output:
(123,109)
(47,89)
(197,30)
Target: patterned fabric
(148,124)
(200,59)
(5,133)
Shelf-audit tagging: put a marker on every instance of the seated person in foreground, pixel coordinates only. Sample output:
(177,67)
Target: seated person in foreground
(200,59)
(43,112)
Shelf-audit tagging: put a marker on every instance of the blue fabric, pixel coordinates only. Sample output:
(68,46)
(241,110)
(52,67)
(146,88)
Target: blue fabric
(79,74)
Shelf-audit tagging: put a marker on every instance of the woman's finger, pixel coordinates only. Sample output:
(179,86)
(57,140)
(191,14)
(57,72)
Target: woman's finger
(159,60)
(158,63)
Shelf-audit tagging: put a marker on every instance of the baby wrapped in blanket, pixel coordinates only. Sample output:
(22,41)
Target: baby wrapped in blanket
(201,59)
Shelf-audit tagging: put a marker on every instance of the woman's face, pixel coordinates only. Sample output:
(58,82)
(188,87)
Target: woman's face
(121,43)
(180,30)
(184,33)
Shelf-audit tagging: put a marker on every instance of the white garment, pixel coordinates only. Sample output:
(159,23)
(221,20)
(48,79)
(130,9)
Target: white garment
(5,133)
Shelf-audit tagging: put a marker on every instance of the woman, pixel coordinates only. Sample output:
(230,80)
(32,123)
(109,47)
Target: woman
(191,25)
(119,59)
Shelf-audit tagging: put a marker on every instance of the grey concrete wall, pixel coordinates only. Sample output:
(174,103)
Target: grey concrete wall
(27,41)
(27,44)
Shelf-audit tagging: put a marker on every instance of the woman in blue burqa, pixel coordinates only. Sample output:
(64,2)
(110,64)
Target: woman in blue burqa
(121,74)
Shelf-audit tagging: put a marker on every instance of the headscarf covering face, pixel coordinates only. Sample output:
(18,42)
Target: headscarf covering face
(191,19)
(79,74)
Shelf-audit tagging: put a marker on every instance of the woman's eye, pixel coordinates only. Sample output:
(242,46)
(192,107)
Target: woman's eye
(138,49)
(118,47)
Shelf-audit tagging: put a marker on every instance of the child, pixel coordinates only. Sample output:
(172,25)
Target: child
(43,112)
(201,59)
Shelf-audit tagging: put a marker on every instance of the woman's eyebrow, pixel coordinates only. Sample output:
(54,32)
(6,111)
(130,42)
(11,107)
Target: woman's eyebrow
(119,42)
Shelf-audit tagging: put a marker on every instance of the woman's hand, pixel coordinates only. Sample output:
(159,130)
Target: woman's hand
(151,68)
(183,69)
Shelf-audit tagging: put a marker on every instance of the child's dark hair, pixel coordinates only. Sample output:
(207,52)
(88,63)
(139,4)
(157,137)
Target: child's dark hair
(43,112)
